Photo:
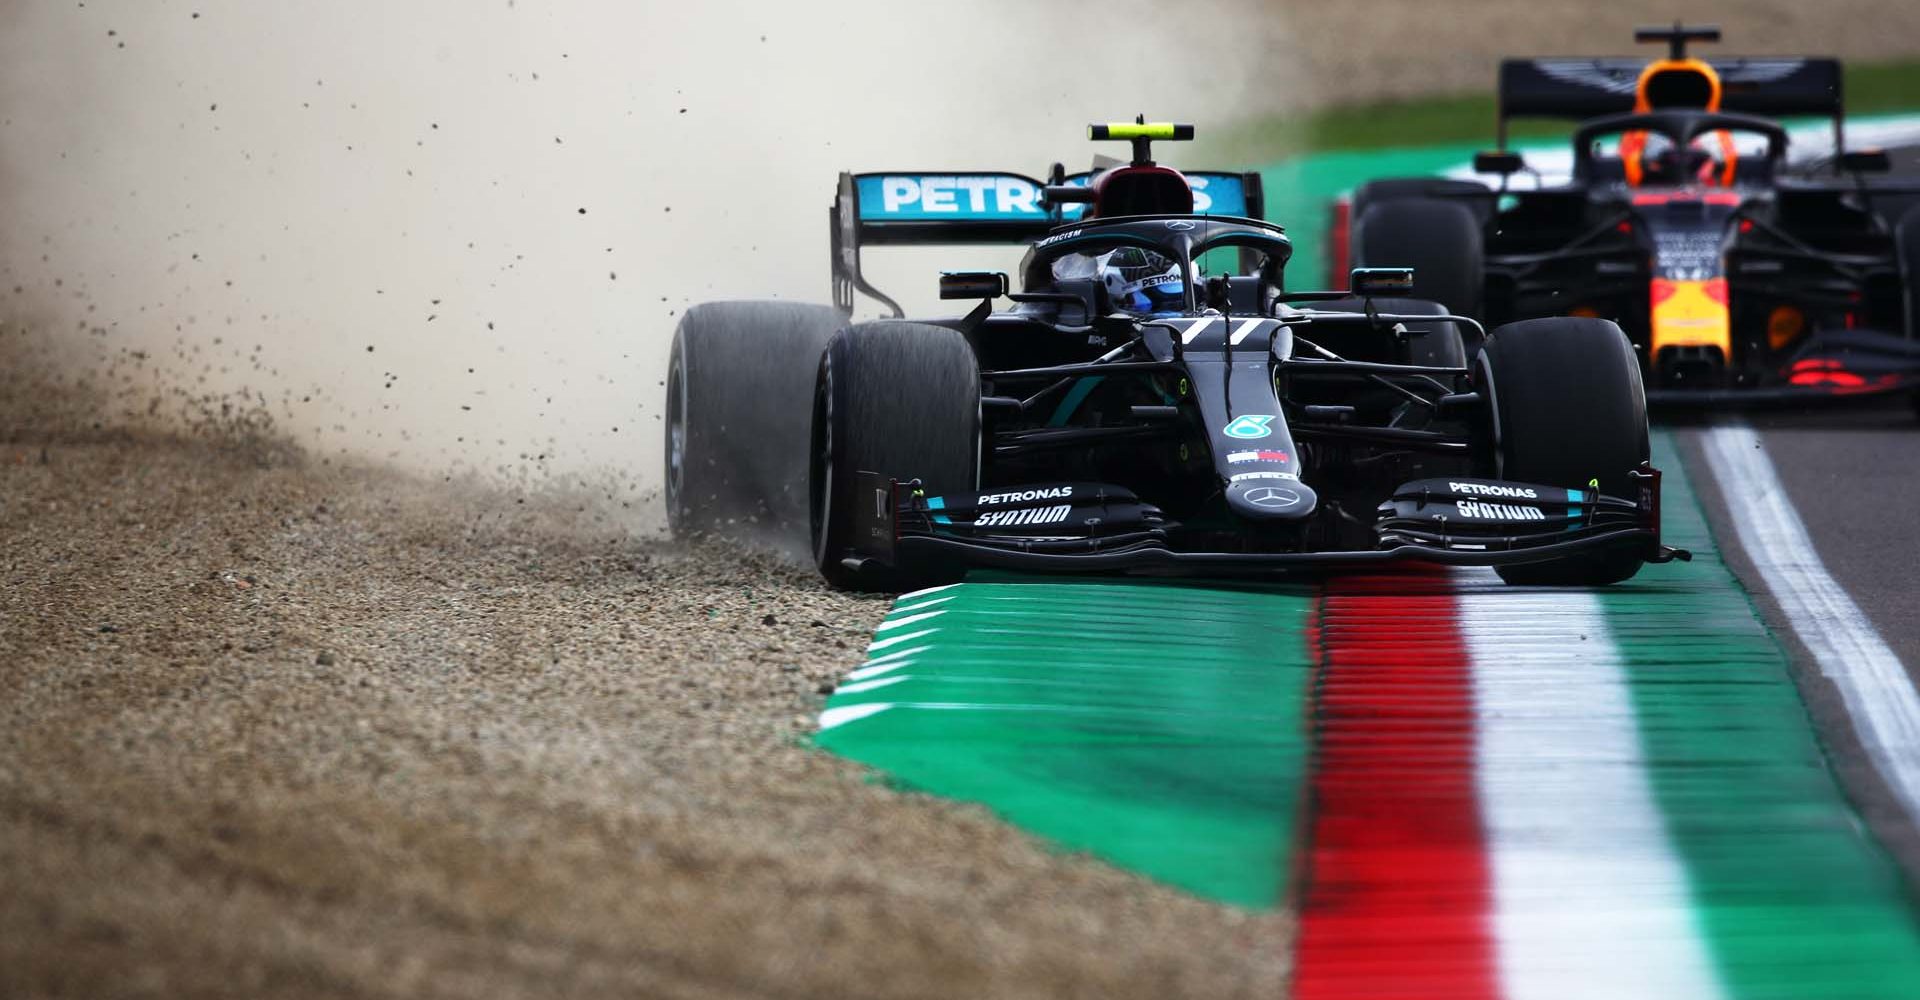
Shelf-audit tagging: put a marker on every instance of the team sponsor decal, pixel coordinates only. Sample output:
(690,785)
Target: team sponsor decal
(953,196)
(1479,511)
(1026,496)
(993,197)
(1023,515)
(1262,475)
(1069,234)
(1240,457)
(1249,426)
(1494,490)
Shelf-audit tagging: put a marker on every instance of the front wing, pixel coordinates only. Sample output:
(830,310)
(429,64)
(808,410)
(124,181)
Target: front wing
(1423,522)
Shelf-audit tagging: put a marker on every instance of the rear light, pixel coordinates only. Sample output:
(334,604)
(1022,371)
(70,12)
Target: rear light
(1746,225)
(1584,312)
(1624,227)
(1785,325)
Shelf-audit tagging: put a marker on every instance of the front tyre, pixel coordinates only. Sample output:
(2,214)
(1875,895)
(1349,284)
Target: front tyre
(901,400)
(1566,408)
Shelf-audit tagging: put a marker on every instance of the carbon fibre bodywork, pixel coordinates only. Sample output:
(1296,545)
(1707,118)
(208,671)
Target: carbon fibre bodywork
(1253,430)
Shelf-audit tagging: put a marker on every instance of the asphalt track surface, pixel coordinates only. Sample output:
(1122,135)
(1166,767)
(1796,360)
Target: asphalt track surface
(1851,473)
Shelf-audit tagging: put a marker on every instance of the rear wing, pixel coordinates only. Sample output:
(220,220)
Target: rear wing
(1575,88)
(912,208)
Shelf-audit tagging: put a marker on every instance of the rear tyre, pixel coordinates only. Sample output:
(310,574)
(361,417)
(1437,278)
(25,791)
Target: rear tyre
(1440,347)
(1441,240)
(1907,242)
(739,387)
(1396,188)
(1566,408)
(902,400)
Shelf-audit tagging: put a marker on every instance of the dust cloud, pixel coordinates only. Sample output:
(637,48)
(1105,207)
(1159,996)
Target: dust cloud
(456,236)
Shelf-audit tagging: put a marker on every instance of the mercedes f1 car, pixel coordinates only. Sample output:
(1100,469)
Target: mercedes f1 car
(1739,277)
(1154,401)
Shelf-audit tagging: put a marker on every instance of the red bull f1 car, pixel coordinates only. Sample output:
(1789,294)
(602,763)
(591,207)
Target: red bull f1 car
(1739,277)
(1154,400)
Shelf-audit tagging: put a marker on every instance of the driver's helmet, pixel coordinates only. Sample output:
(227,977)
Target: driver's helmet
(1137,281)
(1652,158)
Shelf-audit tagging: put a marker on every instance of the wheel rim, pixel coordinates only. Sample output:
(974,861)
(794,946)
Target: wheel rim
(820,512)
(676,439)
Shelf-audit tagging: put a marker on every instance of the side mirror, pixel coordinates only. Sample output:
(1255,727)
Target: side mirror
(1865,161)
(1368,282)
(972,284)
(1498,161)
(1067,194)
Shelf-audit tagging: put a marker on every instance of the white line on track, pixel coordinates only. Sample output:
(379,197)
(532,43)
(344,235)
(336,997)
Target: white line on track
(867,673)
(1873,685)
(859,686)
(840,715)
(880,644)
(894,623)
(1589,898)
(885,664)
(902,607)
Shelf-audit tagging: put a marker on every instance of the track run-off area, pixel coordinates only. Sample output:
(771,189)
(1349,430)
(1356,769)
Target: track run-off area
(1461,789)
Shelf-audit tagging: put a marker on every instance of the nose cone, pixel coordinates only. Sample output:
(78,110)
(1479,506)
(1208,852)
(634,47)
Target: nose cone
(1271,499)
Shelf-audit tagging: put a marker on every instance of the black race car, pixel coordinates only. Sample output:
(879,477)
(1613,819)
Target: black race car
(1135,410)
(1738,277)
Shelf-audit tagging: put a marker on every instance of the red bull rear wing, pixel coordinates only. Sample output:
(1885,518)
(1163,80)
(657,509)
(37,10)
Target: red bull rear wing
(1578,88)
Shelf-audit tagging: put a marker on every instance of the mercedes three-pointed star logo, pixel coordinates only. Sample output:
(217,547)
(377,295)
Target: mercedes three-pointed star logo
(1272,496)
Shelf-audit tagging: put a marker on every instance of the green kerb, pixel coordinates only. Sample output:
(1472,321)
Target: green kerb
(1794,896)
(1157,726)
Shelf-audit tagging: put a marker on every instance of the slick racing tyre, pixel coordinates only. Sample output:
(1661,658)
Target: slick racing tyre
(1441,240)
(739,388)
(901,400)
(1441,346)
(1441,188)
(1907,244)
(1566,408)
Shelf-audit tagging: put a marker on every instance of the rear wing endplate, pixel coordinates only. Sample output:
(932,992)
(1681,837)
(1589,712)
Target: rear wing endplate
(920,208)
(1575,88)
